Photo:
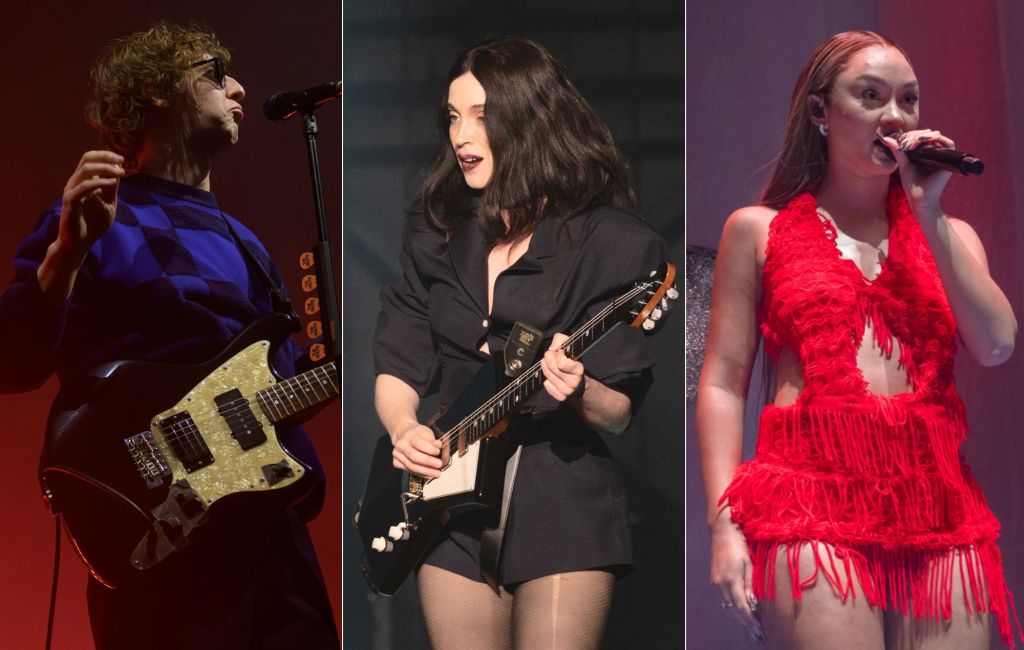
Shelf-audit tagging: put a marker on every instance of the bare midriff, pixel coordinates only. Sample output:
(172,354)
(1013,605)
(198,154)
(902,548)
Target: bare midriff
(883,374)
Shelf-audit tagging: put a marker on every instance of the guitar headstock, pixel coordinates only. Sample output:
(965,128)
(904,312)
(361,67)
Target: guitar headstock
(654,297)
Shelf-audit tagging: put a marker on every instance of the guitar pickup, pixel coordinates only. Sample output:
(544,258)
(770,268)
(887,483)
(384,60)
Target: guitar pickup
(245,428)
(148,459)
(277,472)
(186,441)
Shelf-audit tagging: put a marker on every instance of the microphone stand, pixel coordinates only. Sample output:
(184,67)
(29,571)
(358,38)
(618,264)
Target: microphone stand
(325,284)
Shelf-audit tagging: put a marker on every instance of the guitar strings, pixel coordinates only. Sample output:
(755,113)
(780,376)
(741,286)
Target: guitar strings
(467,422)
(232,408)
(177,431)
(532,372)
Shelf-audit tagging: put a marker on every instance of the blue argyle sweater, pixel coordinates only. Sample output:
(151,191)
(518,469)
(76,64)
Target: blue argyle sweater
(166,283)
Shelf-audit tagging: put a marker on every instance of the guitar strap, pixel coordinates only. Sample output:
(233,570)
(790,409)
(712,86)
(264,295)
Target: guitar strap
(556,271)
(278,301)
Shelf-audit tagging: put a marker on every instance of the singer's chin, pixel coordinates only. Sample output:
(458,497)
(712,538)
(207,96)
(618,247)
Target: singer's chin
(881,157)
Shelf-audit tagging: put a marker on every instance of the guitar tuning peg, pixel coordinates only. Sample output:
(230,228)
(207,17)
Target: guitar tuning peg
(400,532)
(381,545)
(672,292)
(648,324)
(656,313)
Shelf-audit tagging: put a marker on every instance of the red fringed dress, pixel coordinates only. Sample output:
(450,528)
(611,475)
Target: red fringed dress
(878,479)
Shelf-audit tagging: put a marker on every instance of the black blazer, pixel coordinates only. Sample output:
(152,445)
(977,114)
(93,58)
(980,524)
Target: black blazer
(434,317)
(431,324)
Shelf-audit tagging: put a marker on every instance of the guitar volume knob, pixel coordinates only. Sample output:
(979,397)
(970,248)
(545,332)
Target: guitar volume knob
(381,545)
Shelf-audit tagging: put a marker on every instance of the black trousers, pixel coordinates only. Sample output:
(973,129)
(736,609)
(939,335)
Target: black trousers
(258,588)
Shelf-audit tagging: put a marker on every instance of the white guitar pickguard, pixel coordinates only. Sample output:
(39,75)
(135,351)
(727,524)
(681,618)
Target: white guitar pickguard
(459,477)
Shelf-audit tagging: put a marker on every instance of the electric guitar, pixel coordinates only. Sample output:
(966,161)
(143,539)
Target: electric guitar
(401,514)
(139,455)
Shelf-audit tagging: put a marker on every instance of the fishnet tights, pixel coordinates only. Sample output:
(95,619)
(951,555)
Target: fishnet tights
(562,611)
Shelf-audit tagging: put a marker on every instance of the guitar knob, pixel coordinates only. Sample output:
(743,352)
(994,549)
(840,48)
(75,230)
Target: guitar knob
(648,324)
(381,545)
(656,313)
(672,293)
(399,533)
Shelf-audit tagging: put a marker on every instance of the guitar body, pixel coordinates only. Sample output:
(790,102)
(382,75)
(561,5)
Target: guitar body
(470,481)
(401,515)
(138,455)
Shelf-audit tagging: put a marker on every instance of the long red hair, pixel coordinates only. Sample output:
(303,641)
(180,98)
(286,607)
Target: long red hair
(803,161)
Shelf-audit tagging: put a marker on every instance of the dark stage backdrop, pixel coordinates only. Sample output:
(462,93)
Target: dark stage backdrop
(48,48)
(742,62)
(627,59)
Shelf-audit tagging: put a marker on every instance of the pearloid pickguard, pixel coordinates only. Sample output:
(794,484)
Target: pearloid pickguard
(234,469)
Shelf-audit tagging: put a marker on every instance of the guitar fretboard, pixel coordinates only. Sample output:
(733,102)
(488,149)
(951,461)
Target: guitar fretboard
(509,399)
(299,393)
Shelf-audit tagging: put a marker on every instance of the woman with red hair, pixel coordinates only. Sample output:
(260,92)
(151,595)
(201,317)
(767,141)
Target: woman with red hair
(857,524)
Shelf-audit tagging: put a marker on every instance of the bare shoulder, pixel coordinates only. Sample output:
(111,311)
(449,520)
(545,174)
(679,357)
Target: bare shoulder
(961,227)
(755,217)
(747,228)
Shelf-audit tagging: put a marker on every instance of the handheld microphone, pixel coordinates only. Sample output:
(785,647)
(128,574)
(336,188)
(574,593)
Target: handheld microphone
(284,106)
(948,159)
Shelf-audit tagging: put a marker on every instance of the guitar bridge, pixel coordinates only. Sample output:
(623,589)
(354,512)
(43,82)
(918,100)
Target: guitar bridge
(412,495)
(148,459)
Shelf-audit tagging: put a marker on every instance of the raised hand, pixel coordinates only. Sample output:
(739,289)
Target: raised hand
(90,200)
(87,210)
(923,185)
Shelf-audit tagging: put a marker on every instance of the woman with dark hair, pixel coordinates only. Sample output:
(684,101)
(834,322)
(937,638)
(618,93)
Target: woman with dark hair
(857,524)
(519,225)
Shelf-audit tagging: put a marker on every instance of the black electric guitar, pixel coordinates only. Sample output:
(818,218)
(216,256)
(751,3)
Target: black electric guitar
(138,455)
(401,514)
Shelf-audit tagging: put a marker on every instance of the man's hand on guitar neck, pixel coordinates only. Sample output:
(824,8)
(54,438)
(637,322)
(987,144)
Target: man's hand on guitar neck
(602,408)
(416,450)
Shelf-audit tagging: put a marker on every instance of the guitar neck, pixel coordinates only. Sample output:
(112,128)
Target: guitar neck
(510,398)
(303,392)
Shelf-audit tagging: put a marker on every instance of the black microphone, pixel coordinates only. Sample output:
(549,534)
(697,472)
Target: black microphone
(284,106)
(950,160)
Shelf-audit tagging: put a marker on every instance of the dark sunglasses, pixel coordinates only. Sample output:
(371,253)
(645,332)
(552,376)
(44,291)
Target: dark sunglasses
(219,72)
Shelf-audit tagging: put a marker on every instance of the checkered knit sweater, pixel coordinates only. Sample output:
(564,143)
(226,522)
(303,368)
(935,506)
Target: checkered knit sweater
(167,283)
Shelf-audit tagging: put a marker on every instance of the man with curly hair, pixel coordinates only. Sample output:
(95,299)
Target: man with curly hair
(138,262)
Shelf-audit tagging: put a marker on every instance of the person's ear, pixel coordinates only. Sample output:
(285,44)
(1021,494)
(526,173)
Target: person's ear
(816,107)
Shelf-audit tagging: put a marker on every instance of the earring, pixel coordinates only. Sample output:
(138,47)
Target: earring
(823,129)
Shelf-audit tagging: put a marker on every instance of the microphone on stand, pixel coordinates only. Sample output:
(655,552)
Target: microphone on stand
(948,159)
(284,106)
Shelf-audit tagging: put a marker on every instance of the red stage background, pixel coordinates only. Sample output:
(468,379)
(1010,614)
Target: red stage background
(48,48)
